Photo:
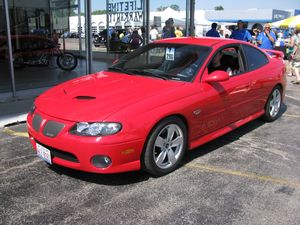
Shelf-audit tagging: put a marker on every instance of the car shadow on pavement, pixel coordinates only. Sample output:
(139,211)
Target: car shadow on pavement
(227,138)
(140,176)
(104,179)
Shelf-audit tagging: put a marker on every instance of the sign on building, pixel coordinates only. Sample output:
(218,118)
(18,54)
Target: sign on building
(279,15)
(126,10)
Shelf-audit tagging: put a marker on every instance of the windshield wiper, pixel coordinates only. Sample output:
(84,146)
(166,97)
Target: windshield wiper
(147,73)
(119,69)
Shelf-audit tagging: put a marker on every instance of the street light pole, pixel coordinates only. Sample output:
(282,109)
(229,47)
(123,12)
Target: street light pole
(88,36)
(107,26)
(192,17)
(187,18)
(79,27)
(10,54)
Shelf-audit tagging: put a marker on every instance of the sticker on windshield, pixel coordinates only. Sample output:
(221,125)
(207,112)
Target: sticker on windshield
(170,52)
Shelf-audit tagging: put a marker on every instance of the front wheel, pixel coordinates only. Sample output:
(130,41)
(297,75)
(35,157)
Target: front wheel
(67,61)
(273,105)
(165,147)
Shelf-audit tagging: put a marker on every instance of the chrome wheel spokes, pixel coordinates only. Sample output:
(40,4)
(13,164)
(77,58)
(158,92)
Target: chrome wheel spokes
(168,146)
(275,103)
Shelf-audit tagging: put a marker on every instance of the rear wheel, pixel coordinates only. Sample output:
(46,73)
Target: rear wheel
(18,62)
(166,147)
(67,61)
(273,105)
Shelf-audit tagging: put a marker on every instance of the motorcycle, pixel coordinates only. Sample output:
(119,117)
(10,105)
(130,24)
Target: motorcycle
(65,60)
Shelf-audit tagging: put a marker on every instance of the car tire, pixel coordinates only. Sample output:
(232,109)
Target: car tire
(67,61)
(18,62)
(273,105)
(165,147)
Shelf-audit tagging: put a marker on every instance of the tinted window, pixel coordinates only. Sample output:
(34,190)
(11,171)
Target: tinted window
(255,58)
(228,60)
(171,61)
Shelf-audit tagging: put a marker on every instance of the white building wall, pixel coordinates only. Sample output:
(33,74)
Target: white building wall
(179,19)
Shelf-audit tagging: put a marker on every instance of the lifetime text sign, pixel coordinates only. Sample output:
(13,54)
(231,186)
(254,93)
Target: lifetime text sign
(130,10)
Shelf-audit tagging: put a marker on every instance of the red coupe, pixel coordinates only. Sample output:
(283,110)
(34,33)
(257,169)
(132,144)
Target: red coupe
(154,104)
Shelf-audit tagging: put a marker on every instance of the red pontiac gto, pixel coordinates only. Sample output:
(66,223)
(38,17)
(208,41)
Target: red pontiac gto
(155,103)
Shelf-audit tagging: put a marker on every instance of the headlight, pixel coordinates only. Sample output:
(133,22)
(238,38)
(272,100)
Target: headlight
(95,129)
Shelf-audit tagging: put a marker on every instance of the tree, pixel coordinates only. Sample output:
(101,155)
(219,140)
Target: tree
(99,12)
(161,8)
(219,7)
(173,6)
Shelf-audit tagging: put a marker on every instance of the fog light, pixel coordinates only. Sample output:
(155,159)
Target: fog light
(101,161)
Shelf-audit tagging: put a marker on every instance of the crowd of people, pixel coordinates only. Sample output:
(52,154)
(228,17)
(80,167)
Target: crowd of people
(131,39)
(264,38)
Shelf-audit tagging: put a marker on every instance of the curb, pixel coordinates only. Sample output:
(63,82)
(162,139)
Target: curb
(12,119)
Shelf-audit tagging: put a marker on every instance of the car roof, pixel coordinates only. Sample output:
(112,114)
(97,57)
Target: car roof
(204,41)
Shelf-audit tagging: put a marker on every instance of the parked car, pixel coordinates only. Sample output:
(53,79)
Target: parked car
(155,103)
(65,34)
(74,35)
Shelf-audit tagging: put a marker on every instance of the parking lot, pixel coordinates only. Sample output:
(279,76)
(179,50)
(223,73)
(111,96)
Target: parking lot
(249,176)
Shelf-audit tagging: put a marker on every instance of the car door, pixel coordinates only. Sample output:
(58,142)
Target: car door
(209,109)
(234,90)
(258,73)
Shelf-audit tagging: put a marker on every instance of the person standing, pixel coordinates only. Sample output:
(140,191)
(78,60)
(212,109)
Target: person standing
(135,40)
(153,33)
(178,32)
(267,38)
(290,51)
(295,56)
(213,31)
(168,29)
(221,33)
(241,33)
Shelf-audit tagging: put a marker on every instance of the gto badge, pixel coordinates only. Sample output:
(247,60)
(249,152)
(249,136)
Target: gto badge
(197,112)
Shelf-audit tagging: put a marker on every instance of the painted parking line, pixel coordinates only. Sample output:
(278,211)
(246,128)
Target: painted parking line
(243,174)
(290,115)
(292,97)
(208,167)
(15,133)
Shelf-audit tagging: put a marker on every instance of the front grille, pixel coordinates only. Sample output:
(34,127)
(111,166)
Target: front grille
(36,122)
(61,154)
(52,128)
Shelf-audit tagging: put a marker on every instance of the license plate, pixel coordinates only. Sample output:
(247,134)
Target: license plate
(43,153)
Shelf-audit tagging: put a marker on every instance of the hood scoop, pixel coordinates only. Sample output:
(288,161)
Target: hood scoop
(83,97)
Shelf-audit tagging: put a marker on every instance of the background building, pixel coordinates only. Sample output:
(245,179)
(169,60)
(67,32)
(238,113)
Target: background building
(253,17)
(28,26)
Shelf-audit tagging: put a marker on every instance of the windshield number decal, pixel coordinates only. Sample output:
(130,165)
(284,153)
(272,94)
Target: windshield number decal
(170,54)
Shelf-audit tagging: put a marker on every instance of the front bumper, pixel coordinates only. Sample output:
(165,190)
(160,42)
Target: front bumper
(76,152)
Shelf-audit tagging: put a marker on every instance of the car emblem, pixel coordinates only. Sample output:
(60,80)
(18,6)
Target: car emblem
(197,112)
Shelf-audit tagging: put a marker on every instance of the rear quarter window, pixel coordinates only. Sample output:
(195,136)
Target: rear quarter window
(254,57)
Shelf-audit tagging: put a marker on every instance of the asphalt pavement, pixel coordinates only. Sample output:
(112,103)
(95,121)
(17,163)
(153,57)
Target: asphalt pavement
(250,176)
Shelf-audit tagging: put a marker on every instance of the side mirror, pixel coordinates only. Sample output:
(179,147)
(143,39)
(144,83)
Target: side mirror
(217,76)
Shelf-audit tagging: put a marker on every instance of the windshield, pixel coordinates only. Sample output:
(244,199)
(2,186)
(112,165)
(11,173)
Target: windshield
(166,61)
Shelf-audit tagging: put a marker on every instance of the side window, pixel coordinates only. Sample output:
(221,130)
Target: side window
(228,60)
(254,57)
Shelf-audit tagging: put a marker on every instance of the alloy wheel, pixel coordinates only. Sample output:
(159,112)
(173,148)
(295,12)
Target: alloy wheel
(275,103)
(168,146)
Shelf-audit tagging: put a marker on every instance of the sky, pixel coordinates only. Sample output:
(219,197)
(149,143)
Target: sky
(210,4)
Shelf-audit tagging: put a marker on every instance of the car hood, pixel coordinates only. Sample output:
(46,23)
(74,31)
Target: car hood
(96,97)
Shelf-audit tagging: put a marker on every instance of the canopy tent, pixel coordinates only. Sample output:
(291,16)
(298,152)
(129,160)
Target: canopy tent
(292,22)
(178,17)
